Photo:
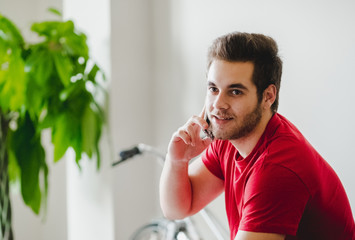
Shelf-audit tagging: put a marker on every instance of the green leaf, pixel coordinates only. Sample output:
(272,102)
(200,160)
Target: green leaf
(91,132)
(75,45)
(53,30)
(13,168)
(55,11)
(88,131)
(12,80)
(98,135)
(66,28)
(65,134)
(45,178)
(93,72)
(46,29)
(26,147)
(60,137)
(10,33)
(39,65)
(35,100)
(12,77)
(75,98)
(30,186)
(63,66)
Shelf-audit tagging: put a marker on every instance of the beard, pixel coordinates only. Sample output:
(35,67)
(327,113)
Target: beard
(241,126)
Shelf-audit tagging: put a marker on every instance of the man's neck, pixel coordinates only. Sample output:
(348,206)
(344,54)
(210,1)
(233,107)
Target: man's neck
(246,144)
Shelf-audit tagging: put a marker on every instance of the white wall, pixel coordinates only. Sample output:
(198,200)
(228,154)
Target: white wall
(132,113)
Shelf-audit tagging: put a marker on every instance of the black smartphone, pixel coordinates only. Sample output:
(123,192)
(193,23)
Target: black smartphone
(207,131)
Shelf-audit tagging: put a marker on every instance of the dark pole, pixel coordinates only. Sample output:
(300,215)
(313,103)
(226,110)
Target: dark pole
(5,205)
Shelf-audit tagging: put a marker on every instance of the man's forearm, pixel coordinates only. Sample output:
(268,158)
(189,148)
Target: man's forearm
(175,189)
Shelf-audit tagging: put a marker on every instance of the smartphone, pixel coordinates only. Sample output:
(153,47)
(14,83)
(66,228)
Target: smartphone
(207,131)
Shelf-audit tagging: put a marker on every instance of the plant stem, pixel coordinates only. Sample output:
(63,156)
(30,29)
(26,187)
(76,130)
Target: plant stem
(5,206)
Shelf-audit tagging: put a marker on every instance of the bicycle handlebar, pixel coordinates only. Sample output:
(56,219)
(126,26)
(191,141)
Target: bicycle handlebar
(136,150)
(127,154)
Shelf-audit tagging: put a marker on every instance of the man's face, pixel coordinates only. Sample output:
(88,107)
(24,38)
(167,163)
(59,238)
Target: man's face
(231,102)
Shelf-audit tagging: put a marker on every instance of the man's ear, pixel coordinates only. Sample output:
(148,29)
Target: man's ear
(269,96)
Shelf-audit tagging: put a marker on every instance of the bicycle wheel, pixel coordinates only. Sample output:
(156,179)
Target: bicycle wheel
(152,231)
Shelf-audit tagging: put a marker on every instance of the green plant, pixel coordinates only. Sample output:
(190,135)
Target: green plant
(51,84)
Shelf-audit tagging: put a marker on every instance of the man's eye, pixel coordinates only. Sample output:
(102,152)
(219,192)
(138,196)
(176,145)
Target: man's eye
(213,89)
(236,92)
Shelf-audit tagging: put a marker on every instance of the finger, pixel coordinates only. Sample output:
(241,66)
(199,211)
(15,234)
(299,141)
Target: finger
(203,112)
(183,135)
(197,120)
(193,131)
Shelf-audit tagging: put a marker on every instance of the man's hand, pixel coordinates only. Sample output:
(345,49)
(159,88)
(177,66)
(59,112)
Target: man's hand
(186,188)
(186,142)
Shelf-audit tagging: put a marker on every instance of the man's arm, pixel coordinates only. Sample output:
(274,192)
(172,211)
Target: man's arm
(185,189)
(244,235)
(184,192)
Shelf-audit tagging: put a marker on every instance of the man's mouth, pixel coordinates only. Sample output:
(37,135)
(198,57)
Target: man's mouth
(222,117)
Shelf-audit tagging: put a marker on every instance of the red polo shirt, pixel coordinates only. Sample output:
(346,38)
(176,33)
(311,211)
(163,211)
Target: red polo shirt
(283,186)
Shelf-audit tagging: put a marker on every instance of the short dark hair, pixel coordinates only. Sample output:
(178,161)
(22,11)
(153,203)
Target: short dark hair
(257,48)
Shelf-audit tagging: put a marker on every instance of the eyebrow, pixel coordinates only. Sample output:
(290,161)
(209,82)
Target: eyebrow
(234,85)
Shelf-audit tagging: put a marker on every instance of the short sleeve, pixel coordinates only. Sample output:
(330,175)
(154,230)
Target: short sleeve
(274,201)
(212,161)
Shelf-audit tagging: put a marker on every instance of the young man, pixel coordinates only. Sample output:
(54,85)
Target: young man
(276,185)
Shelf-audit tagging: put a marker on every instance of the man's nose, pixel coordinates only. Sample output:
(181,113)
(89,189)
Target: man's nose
(220,102)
